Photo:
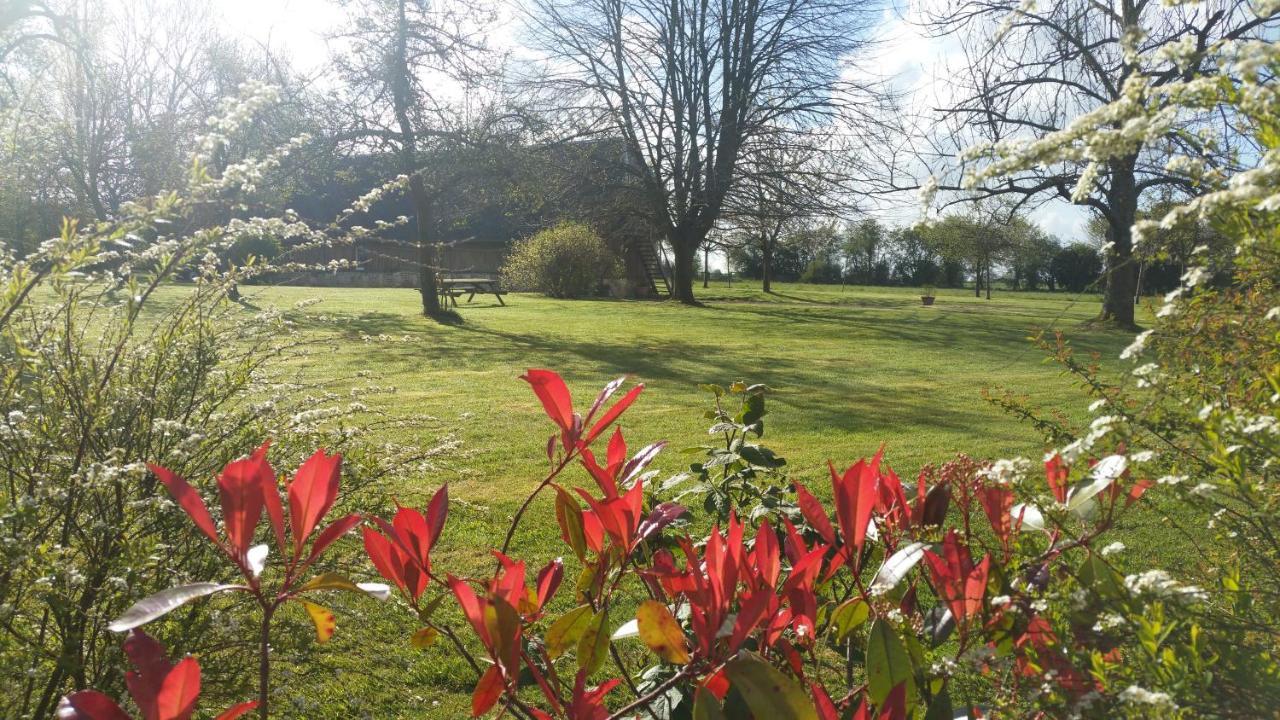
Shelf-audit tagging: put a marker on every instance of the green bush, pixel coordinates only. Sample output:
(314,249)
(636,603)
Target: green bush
(566,261)
(261,247)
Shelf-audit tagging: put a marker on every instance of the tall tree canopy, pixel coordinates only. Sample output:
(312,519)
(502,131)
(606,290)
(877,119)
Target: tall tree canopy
(695,87)
(1031,69)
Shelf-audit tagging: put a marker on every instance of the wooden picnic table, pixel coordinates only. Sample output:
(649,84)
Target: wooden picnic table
(452,287)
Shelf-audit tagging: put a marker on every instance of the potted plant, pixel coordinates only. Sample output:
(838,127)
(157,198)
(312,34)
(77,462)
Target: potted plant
(927,296)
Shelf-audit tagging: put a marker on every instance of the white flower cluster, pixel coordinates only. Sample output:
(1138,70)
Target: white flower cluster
(233,113)
(366,201)
(1134,695)
(1159,584)
(1100,426)
(1136,347)
(1006,472)
(1109,621)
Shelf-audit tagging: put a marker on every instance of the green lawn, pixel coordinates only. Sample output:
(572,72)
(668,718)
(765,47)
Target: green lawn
(851,368)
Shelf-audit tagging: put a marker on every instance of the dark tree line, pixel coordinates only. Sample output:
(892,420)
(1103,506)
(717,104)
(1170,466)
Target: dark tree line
(958,251)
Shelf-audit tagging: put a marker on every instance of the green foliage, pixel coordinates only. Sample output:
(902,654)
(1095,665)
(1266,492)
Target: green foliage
(566,261)
(103,371)
(1076,267)
(259,246)
(738,474)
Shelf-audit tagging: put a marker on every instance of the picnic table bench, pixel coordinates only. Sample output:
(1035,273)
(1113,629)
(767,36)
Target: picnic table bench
(452,287)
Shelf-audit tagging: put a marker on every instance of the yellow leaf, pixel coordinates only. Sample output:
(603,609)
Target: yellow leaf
(660,631)
(323,619)
(565,632)
(424,638)
(594,643)
(329,581)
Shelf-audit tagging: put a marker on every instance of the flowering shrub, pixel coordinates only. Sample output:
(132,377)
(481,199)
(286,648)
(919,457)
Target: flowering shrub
(891,601)
(994,589)
(104,362)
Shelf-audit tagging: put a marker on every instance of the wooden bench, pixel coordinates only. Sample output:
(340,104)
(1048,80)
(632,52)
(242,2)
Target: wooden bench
(453,287)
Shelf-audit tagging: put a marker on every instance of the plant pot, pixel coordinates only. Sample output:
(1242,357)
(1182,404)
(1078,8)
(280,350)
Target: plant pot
(926,299)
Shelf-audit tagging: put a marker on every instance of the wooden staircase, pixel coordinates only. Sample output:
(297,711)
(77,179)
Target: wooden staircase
(654,269)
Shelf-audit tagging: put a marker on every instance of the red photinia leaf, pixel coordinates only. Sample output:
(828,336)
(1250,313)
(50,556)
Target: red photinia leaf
(509,583)
(553,394)
(616,453)
(593,531)
(960,584)
(311,494)
(855,494)
(240,489)
(815,514)
(750,613)
(384,557)
(412,529)
(437,513)
(620,517)
(975,587)
(589,704)
(1139,488)
(409,567)
(609,417)
(1055,472)
(895,706)
(330,535)
(89,705)
(662,515)
(189,500)
(487,691)
(151,667)
(717,684)
(471,607)
(549,580)
(641,460)
(236,711)
(997,503)
(271,495)
(862,713)
(822,702)
(767,561)
(606,480)
(603,396)
(177,697)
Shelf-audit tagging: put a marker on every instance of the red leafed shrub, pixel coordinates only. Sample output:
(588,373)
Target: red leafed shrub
(869,606)
(160,689)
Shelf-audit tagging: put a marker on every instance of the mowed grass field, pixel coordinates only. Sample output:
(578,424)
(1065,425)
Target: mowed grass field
(851,368)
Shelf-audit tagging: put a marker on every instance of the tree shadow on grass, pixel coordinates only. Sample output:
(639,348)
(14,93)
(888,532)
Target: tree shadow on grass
(881,394)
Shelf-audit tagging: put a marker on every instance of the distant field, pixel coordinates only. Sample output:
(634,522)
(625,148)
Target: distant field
(851,367)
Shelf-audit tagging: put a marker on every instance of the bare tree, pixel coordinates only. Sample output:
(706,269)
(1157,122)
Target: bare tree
(1031,69)
(411,65)
(778,187)
(695,87)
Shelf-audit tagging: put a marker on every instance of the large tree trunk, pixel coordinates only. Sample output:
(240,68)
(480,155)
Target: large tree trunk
(685,249)
(1122,271)
(402,100)
(427,262)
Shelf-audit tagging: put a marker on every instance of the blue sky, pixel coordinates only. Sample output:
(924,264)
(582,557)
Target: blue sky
(917,64)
